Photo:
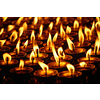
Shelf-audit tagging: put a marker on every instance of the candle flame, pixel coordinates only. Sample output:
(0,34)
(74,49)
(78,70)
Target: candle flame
(55,37)
(4,18)
(32,35)
(10,27)
(97,25)
(76,24)
(21,29)
(40,30)
(25,26)
(32,55)
(49,41)
(70,68)
(98,33)
(68,30)
(61,53)
(57,20)
(93,26)
(21,64)
(36,49)
(1,31)
(62,32)
(18,46)
(2,42)
(97,18)
(5,56)
(26,43)
(88,53)
(35,21)
(19,20)
(13,36)
(79,18)
(82,64)
(51,26)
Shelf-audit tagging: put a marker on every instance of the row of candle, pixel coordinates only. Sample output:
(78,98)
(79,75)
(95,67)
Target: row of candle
(39,56)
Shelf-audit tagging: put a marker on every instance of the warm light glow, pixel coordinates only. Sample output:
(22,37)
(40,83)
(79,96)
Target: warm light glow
(10,27)
(61,53)
(68,30)
(71,68)
(93,26)
(97,18)
(82,64)
(35,20)
(40,18)
(13,36)
(97,25)
(79,18)
(18,46)
(81,36)
(25,26)
(36,49)
(26,43)
(62,32)
(6,58)
(4,18)
(55,37)
(98,33)
(21,64)
(57,20)
(88,33)
(2,42)
(71,45)
(51,26)
(32,55)
(43,66)
(19,20)
(32,35)
(21,29)
(88,53)
(1,31)
(49,41)
(76,24)
(40,30)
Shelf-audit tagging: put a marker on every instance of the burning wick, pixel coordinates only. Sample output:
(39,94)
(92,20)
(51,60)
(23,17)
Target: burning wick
(83,64)
(96,50)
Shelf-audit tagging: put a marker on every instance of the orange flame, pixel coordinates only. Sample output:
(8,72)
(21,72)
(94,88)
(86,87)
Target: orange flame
(18,46)
(57,20)
(88,33)
(32,35)
(51,26)
(79,18)
(2,42)
(4,18)
(49,41)
(88,53)
(5,56)
(82,64)
(32,55)
(25,26)
(1,31)
(93,26)
(19,20)
(81,36)
(21,64)
(68,30)
(26,43)
(10,27)
(36,49)
(55,37)
(98,33)
(61,53)
(35,20)
(21,29)
(14,35)
(97,25)
(40,30)
(71,45)
(62,32)
(97,18)
(71,68)
(76,24)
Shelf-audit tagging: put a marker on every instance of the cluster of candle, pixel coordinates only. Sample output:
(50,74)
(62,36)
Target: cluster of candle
(49,50)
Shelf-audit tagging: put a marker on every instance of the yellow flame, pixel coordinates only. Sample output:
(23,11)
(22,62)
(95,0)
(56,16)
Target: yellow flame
(71,45)
(26,43)
(97,18)
(61,53)
(68,30)
(76,24)
(43,66)
(40,30)
(55,37)
(19,20)
(97,25)
(21,64)
(4,18)
(88,33)
(14,35)
(35,20)
(2,42)
(57,20)
(18,46)
(51,25)
(32,55)
(25,26)
(35,48)
(49,41)
(10,27)
(21,29)
(82,64)
(98,33)
(93,26)
(81,36)
(88,53)
(5,56)
(71,68)
(62,32)
(1,31)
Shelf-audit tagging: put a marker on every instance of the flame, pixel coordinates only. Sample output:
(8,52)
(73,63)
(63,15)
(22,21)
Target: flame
(40,30)
(76,24)
(93,26)
(81,36)
(51,26)
(2,42)
(26,43)
(4,18)
(40,18)
(55,54)
(88,53)
(14,35)
(5,56)
(32,55)
(35,20)
(62,32)
(88,33)
(21,29)
(55,37)
(19,20)
(71,45)
(10,27)
(82,64)
(61,53)
(1,31)
(21,64)
(98,33)
(43,66)
(24,26)
(57,20)
(36,49)
(97,18)
(71,68)
(32,38)
(49,41)
(68,30)
(97,25)
(18,46)
(79,18)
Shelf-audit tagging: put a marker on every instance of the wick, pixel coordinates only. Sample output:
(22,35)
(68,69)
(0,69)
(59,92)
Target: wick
(73,47)
(7,60)
(37,53)
(12,38)
(46,71)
